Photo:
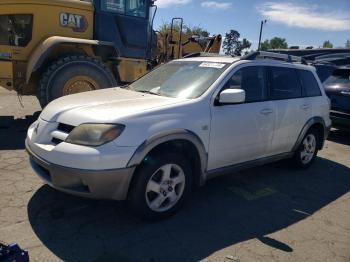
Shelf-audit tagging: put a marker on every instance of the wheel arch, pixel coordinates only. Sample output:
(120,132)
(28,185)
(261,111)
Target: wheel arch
(161,139)
(317,123)
(43,52)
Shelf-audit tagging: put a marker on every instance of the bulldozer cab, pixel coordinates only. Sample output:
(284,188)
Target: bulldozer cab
(127,24)
(112,41)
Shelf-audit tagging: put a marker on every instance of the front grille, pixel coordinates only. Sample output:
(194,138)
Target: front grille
(65,128)
(62,128)
(56,141)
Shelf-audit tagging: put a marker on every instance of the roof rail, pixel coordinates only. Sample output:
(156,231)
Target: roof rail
(201,54)
(275,56)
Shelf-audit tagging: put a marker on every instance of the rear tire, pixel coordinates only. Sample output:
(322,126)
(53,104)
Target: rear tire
(160,186)
(307,150)
(73,74)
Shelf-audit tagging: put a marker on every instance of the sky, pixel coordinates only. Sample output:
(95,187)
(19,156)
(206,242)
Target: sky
(302,23)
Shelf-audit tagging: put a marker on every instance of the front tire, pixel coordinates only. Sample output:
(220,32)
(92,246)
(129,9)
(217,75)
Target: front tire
(73,74)
(307,151)
(160,186)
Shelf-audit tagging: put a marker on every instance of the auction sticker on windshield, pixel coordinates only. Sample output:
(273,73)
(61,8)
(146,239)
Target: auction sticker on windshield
(212,65)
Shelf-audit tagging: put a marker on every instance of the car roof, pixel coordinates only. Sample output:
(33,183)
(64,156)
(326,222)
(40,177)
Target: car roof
(214,59)
(232,60)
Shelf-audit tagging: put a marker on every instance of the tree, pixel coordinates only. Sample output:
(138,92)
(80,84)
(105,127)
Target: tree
(232,45)
(245,44)
(166,27)
(196,30)
(278,43)
(186,29)
(265,45)
(327,44)
(347,44)
(231,42)
(274,43)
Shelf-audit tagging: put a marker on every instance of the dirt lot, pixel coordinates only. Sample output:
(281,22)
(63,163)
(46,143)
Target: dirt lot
(271,213)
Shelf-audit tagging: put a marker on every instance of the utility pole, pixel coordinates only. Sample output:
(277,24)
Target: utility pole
(261,27)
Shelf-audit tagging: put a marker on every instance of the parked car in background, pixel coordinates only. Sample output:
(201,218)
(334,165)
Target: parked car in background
(185,122)
(337,87)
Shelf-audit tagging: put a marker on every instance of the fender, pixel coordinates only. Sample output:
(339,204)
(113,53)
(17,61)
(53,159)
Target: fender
(43,50)
(309,123)
(176,134)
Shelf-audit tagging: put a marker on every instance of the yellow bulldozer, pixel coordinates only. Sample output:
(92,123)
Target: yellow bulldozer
(52,48)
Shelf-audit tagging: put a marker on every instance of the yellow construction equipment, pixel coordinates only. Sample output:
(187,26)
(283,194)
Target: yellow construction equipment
(51,48)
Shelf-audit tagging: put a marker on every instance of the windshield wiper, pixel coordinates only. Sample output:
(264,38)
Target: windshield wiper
(148,92)
(127,86)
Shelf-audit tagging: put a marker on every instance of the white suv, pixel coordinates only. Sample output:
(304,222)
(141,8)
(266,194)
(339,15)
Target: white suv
(150,142)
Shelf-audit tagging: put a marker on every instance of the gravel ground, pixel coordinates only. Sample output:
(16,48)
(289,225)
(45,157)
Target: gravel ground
(270,213)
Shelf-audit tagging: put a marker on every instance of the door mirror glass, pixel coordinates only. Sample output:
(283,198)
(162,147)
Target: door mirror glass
(232,96)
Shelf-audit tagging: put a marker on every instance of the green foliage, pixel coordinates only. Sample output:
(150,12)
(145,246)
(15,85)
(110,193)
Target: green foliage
(196,30)
(165,28)
(327,44)
(347,44)
(265,45)
(245,44)
(232,45)
(274,43)
(186,29)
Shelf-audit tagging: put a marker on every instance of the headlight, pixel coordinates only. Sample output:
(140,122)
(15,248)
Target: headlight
(94,134)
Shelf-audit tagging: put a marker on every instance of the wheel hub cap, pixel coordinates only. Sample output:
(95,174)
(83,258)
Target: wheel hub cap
(79,84)
(165,187)
(308,152)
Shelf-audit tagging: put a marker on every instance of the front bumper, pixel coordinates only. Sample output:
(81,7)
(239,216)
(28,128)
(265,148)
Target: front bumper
(99,184)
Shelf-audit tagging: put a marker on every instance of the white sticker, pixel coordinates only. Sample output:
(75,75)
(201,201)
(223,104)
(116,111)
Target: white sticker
(212,65)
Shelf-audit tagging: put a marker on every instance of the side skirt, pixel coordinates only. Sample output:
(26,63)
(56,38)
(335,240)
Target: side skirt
(253,163)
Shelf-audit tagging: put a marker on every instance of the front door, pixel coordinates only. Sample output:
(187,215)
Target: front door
(242,132)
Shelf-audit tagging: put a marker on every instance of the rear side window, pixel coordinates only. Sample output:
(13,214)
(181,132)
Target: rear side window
(16,30)
(252,80)
(284,83)
(310,84)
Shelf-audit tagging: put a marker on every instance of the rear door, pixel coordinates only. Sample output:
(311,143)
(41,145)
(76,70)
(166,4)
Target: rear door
(292,109)
(242,132)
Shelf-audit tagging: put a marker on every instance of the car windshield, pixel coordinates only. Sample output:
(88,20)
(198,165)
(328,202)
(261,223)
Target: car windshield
(180,79)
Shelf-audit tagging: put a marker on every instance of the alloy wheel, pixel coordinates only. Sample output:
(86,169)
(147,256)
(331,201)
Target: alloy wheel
(165,187)
(309,148)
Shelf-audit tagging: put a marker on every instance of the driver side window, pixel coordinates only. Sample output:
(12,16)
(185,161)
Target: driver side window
(136,8)
(128,7)
(252,80)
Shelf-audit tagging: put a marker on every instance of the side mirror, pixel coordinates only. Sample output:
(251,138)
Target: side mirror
(232,96)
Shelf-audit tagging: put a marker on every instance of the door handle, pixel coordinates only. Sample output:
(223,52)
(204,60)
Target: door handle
(266,111)
(305,107)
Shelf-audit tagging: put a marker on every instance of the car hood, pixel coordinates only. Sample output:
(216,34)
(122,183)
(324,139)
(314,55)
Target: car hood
(102,106)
